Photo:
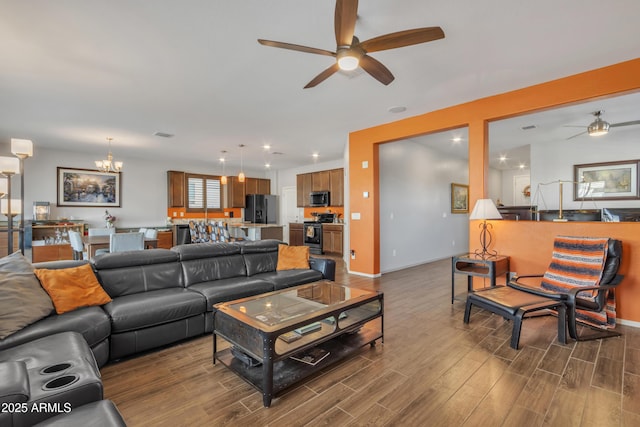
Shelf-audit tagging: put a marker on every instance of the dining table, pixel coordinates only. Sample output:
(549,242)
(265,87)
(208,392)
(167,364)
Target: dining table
(93,243)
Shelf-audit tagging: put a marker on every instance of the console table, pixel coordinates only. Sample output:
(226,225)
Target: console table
(474,265)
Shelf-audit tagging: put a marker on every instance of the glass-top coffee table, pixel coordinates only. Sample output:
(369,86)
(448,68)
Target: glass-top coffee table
(318,324)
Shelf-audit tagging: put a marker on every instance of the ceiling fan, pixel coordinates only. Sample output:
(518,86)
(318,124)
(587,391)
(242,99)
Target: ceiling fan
(351,52)
(601,127)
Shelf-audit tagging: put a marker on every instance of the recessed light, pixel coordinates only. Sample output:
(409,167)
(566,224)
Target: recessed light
(456,139)
(315,155)
(267,165)
(266,146)
(503,158)
(521,165)
(397,109)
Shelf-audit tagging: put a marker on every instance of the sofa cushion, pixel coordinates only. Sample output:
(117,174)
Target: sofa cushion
(205,250)
(22,302)
(92,322)
(292,257)
(260,256)
(142,310)
(288,278)
(215,268)
(223,290)
(72,288)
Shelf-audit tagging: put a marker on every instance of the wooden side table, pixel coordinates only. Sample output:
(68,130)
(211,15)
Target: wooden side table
(473,265)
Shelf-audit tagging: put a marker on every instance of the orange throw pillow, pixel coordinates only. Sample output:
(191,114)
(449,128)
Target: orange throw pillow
(72,288)
(293,257)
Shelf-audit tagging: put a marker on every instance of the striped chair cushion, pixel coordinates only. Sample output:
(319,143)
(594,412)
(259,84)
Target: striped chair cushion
(579,262)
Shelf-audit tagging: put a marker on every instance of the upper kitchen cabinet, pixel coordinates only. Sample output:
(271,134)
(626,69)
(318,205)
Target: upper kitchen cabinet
(336,187)
(257,186)
(303,188)
(320,181)
(236,190)
(175,189)
(330,180)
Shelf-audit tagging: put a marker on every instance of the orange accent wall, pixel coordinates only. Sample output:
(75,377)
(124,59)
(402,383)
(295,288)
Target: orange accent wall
(527,243)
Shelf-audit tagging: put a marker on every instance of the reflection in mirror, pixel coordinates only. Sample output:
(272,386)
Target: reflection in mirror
(415,176)
(532,159)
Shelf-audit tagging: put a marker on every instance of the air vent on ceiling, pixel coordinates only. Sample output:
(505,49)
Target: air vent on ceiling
(528,127)
(163,134)
(277,153)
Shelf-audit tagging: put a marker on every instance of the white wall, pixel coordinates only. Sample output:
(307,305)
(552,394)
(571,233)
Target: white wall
(415,205)
(553,161)
(144,186)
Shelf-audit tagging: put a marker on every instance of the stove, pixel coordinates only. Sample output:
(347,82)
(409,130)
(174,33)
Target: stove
(313,231)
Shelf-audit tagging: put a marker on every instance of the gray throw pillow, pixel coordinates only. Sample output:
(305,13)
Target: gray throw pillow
(22,301)
(16,262)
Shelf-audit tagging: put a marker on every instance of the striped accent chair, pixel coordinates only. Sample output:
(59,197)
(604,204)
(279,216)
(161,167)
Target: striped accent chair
(583,274)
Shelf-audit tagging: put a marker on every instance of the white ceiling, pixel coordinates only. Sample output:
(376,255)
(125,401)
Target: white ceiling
(77,71)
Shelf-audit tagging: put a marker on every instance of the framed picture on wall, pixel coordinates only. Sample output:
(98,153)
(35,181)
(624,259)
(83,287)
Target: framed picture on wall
(606,181)
(459,198)
(88,188)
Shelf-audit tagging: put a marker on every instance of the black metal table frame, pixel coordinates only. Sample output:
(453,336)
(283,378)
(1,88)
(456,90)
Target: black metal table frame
(269,338)
(491,264)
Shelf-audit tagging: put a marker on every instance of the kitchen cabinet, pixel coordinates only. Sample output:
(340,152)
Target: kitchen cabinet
(332,239)
(336,187)
(320,181)
(303,188)
(296,236)
(165,239)
(329,180)
(235,192)
(257,186)
(175,189)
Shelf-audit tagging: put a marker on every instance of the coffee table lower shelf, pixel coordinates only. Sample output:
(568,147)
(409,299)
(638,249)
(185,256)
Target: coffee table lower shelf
(288,372)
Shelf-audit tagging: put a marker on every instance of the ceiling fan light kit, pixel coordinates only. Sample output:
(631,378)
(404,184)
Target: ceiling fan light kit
(598,127)
(351,53)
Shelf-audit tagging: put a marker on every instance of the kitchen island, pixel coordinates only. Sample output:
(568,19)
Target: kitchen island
(252,231)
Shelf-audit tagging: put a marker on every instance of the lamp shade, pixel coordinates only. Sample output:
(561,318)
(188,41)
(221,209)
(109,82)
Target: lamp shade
(21,147)
(9,165)
(3,187)
(485,209)
(16,206)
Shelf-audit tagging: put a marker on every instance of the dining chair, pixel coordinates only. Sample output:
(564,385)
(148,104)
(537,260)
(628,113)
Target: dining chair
(77,246)
(101,231)
(121,242)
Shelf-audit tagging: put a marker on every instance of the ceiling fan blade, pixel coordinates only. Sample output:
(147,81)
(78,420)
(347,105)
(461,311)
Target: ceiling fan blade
(402,38)
(345,21)
(297,47)
(578,134)
(376,69)
(323,76)
(633,122)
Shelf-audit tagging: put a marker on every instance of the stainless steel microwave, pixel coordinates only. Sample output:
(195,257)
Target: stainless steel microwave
(319,198)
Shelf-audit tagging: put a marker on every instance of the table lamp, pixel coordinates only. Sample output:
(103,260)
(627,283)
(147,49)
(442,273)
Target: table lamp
(485,209)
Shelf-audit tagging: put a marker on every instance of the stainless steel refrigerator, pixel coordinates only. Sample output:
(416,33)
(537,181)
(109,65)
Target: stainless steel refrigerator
(261,209)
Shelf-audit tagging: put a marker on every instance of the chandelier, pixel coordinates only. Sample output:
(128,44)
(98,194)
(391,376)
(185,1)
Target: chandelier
(109,165)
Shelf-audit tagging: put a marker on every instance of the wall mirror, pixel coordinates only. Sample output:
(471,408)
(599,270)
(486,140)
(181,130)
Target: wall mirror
(532,153)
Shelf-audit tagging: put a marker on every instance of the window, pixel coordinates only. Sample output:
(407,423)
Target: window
(203,193)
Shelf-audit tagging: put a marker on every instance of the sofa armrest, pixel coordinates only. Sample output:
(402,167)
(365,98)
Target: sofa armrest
(326,266)
(14,382)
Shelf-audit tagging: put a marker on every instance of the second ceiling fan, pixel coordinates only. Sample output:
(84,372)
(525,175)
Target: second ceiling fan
(351,52)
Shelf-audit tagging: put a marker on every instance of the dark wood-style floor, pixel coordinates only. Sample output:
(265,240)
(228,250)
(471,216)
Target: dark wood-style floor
(431,370)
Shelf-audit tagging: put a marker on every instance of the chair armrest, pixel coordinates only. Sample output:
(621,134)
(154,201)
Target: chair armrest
(573,293)
(326,266)
(14,382)
(536,290)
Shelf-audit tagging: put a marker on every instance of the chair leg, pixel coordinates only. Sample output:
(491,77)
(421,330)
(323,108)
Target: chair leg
(517,327)
(562,323)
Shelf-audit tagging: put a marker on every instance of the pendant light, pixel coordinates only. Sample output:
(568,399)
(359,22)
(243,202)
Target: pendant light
(109,165)
(223,178)
(241,174)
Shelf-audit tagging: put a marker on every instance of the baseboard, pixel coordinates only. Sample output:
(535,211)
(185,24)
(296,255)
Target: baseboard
(357,273)
(628,323)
